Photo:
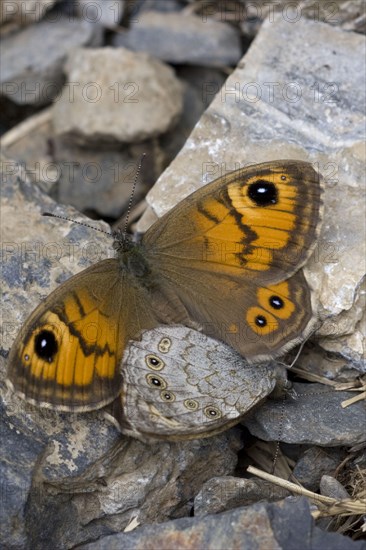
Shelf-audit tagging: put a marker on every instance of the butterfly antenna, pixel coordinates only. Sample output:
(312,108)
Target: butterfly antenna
(132,194)
(50,215)
(280,432)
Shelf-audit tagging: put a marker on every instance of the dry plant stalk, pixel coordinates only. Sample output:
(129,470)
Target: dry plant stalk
(328,506)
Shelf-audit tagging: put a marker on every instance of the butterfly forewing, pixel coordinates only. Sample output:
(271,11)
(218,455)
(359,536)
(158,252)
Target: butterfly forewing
(67,355)
(232,251)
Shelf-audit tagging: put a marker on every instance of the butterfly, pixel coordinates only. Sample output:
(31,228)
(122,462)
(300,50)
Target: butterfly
(180,384)
(226,260)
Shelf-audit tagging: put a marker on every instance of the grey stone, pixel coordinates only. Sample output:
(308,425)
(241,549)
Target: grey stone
(184,39)
(24,12)
(121,96)
(149,482)
(30,145)
(220,494)
(293,98)
(331,487)
(32,60)
(154,5)
(333,365)
(315,416)
(199,84)
(18,456)
(100,180)
(39,253)
(95,180)
(284,525)
(106,12)
(315,462)
(348,15)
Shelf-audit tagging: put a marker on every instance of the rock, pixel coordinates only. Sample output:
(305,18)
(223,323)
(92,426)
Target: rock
(30,145)
(184,39)
(130,480)
(314,359)
(220,494)
(351,321)
(330,487)
(348,15)
(315,462)
(72,478)
(120,97)
(206,81)
(42,442)
(285,100)
(198,85)
(98,181)
(287,524)
(32,60)
(106,12)
(315,416)
(39,253)
(18,457)
(154,5)
(24,12)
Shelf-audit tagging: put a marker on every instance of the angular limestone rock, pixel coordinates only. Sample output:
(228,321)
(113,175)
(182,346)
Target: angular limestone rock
(275,526)
(106,12)
(184,39)
(24,12)
(32,60)
(313,416)
(117,96)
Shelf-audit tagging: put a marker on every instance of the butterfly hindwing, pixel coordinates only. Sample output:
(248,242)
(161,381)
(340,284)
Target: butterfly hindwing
(178,384)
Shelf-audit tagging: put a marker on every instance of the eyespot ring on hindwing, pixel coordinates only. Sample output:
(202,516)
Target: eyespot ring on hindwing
(191,404)
(164,345)
(212,412)
(154,362)
(155,381)
(167,396)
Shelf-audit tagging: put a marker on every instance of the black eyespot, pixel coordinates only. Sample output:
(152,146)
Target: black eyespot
(212,412)
(260,321)
(283,178)
(156,381)
(276,302)
(167,396)
(154,362)
(263,193)
(45,345)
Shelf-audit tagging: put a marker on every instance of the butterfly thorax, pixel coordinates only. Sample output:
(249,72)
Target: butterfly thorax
(131,257)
